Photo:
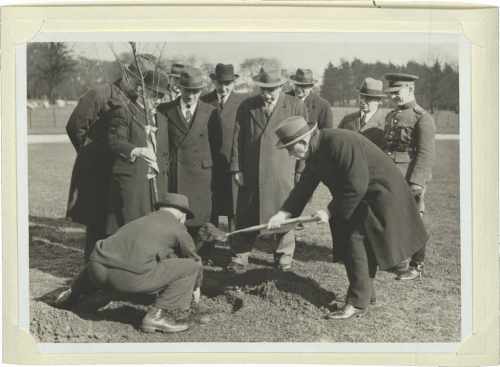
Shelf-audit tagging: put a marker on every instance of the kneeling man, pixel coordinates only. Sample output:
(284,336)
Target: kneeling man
(151,255)
(373,218)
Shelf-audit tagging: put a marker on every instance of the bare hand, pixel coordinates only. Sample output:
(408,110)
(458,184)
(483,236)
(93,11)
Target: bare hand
(238,178)
(416,190)
(296,178)
(323,215)
(147,154)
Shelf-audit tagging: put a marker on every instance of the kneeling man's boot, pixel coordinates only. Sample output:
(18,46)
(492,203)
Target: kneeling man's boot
(157,319)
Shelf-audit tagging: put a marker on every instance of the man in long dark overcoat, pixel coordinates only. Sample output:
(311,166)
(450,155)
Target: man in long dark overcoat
(370,119)
(410,135)
(226,101)
(139,146)
(373,217)
(194,134)
(152,255)
(265,175)
(87,130)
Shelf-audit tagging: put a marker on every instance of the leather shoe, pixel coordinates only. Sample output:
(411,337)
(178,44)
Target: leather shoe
(65,299)
(157,319)
(413,272)
(283,262)
(346,312)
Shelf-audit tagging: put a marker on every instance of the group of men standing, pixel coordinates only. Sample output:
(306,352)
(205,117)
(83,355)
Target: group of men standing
(150,136)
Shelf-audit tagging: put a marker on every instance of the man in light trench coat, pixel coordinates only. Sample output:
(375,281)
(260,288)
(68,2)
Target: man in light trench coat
(265,175)
(374,220)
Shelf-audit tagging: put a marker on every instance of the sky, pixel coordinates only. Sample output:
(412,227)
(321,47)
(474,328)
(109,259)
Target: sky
(299,50)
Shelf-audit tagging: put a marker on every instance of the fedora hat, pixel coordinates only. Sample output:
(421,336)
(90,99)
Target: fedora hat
(395,81)
(156,81)
(176,201)
(303,77)
(224,73)
(175,70)
(269,78)
(191,78)
(292,130)
(372,88)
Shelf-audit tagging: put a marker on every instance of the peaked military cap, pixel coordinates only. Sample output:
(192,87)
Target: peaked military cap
(398,80)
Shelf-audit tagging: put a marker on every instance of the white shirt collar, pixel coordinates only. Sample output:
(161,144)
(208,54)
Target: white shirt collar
(225,97)
(184,107)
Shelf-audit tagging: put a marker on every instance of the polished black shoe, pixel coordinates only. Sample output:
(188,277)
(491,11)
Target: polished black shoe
(346,312)
(157,319)
(413,272)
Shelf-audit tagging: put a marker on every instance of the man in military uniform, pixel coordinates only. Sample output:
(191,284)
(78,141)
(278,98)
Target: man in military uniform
(151,255)
(409,132)
(370,119)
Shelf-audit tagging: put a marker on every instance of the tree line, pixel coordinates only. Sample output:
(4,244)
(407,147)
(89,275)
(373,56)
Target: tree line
(54,72)
(436,89)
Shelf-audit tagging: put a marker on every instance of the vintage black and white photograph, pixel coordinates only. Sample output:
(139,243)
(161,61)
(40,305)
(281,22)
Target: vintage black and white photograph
(272,188)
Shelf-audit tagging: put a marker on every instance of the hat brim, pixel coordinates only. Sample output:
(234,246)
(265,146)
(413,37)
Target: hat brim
(214,77)
(392,89)
(197,87)
(188,212)
(311,83)
(280,145)
(269,85)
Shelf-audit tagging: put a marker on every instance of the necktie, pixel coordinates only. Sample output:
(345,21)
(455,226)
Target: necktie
(188,116)
(362,121)
(221,102)
(268,109)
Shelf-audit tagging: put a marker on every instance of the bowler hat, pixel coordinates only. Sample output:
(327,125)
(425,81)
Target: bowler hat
(303,77)
(372,88)
(398,80)
(191,78)
(177,201)
(224,73)
(269,78)
(175,70)
(292,130)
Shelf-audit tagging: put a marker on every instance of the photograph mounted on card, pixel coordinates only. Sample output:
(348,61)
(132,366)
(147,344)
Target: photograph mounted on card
(244,191)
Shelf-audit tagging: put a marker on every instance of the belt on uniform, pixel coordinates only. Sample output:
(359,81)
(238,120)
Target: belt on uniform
(399,157)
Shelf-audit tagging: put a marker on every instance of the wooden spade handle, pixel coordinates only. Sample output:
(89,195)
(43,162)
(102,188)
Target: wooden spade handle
(288,222)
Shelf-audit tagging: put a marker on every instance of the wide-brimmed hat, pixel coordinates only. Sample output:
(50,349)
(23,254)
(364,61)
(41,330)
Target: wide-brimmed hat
(292,130)
(303,77)
(191,78)
(176,70)
(269,78)
(372,88)
(177,201)
(224,73)
(398,80)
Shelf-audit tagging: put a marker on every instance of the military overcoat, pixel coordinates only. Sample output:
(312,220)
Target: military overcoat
(131,193)
(319,110)
(369,193)
(191,163)
(225,189)
(268,173)
(87,130)
(373,129)
(410,134)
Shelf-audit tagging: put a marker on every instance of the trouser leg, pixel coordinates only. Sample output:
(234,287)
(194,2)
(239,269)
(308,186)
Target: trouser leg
(361,269)
(419,256)
(285,243)
(241,246)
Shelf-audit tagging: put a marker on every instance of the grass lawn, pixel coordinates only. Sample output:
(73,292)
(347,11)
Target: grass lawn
(276,307)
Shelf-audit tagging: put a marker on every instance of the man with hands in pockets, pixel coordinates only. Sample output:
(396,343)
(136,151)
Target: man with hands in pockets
(374,220)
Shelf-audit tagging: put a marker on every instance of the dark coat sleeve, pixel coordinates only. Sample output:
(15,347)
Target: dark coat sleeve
(84,116)
(119,132)
(302,192)
(326,116)
(420,170)
(301,110)
(238,137)
(350,169)
(186,244)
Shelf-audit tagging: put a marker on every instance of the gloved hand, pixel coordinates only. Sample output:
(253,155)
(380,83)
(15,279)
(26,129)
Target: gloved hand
(145,153)
(238,177)
(277,219)
(416,190)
